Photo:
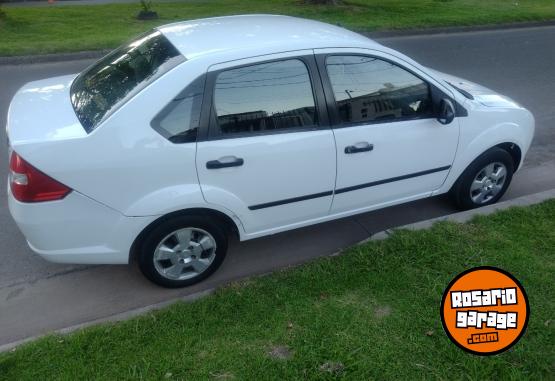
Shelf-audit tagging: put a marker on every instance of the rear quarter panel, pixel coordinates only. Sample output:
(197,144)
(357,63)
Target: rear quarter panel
(124,163)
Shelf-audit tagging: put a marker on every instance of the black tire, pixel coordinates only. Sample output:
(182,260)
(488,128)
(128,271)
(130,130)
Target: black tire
(460,192)
(148,243)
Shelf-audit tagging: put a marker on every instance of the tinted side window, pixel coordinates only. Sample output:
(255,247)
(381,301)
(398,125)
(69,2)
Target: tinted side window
(179,120)
(264,97)
(368,89)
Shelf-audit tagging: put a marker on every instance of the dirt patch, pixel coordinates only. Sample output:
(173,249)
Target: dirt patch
(382,311)
(335,368)
(280,352)
(222,375)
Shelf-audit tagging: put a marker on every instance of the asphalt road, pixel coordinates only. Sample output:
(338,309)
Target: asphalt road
(36,296)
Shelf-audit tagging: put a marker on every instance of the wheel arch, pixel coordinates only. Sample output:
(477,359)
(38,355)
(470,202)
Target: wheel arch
(514,150)
(459,166)
(230,225)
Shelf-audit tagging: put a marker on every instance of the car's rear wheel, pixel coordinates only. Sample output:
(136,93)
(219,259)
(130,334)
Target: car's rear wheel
(485,180)
(182,250)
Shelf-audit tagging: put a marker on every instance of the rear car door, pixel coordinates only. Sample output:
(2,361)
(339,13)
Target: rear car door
(269,154)
(390,146)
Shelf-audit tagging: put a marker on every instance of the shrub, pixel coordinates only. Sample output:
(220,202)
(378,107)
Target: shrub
(146,5)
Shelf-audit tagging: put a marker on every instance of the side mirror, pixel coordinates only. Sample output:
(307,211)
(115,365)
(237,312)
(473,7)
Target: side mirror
(446,112)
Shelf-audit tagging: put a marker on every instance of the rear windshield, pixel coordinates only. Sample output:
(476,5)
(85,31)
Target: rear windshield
(108,83)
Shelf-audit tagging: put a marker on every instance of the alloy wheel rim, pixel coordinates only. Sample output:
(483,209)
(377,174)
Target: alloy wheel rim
(488,182)
(184,253)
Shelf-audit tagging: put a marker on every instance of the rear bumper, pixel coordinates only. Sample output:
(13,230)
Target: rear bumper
(77,229)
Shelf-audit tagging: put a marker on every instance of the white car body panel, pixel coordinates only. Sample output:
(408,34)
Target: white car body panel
(125,175)
(95,234)
(307,168)
(516,126)
(124,160)
(400,149)
(52,117)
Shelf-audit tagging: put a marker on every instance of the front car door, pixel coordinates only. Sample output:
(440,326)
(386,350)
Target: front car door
(390,147)
(269,154)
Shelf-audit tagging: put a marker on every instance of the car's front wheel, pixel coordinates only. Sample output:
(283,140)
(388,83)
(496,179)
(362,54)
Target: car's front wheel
(182,250)
(485,180)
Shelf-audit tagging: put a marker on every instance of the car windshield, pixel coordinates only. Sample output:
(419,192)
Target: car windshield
(111,81)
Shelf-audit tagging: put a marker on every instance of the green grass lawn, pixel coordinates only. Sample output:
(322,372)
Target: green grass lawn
(74,28)
(372,313)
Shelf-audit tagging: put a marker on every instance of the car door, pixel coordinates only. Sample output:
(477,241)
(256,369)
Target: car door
(269,154)
(390,147)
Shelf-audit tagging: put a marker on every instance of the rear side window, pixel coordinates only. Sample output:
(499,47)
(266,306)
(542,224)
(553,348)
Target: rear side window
(179,120)
(265,97)
(108,83)
(368,89)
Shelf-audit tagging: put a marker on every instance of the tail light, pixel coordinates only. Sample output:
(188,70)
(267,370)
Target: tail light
(28,184)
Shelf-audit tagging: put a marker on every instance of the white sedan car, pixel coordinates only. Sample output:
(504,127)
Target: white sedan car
(244,125)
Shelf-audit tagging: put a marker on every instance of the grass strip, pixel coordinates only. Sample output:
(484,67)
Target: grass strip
(371,313)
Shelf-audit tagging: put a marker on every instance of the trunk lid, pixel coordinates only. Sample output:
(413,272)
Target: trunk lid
(41,111)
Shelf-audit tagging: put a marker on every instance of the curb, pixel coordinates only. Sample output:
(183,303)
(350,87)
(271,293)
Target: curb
(90,54)
(55,57)
(111,319)
(457,29)
(467,215)
(460,217)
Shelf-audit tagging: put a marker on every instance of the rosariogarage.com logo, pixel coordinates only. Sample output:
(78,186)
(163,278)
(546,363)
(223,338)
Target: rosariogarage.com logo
(485,310)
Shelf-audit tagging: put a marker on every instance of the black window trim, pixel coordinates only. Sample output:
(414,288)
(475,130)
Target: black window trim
(208,117)
(328,115)
(335,120)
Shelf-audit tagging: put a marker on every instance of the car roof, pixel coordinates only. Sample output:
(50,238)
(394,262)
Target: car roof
(249,35)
